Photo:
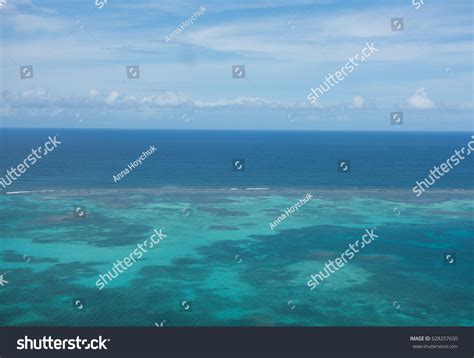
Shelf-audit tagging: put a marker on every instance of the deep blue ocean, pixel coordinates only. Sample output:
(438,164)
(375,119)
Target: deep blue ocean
(200,158)
(220,253)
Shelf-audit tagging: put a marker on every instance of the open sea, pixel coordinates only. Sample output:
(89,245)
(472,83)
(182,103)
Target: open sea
(221,264)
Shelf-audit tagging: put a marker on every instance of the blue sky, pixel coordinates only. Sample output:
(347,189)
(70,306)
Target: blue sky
(79,53)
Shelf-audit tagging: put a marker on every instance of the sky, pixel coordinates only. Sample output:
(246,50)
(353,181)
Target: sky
(79,52)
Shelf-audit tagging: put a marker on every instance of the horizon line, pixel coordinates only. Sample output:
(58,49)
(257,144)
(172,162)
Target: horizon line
(250,130)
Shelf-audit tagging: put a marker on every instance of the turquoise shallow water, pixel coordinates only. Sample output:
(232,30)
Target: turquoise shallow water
(221,255)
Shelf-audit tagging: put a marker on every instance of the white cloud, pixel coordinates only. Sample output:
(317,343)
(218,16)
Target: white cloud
(420,100)
(35,23)
(320,37)
(248,102)
(35,98)
(357,102)
(40,97)
(15,5)
(183,8)
(166,99)
(93,92)
(325,37)
(112,97)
